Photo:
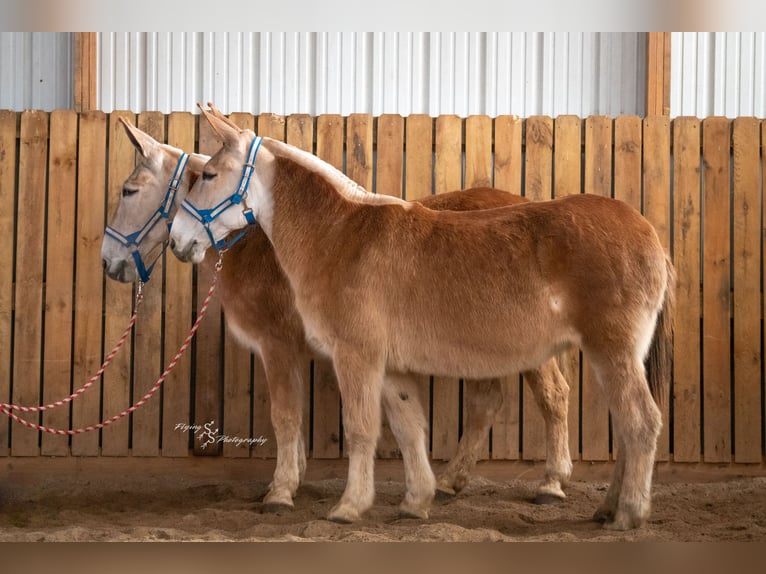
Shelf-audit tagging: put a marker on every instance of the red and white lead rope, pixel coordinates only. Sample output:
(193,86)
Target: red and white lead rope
(8,408)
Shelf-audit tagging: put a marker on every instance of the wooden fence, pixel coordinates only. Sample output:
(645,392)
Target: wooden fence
(699,182)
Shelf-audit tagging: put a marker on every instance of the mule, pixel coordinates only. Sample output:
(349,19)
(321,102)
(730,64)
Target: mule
(260,311)
(386,285)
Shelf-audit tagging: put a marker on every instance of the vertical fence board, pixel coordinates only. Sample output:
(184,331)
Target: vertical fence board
(118,299)
(208,340)
(359,145)
(657,211)
(507,176)
(91,158)
(716,297)
(326,423)
(7,219)
(508,156)
(237,398)
(598,180)
(28,322)
(176,392)
(478,173)
(269,125)
(747,291)
(300,133)
(147,364)
(59,276)
(627,160)
(419,149)
(686,259)
(763,255)
(445,425)
(389,171)
(538,187)
(567,180)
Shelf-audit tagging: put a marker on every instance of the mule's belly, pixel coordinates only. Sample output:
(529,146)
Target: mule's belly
(477,358)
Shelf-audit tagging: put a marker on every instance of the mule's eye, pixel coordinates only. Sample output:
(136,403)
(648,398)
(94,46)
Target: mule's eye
(208,176)
(126,191)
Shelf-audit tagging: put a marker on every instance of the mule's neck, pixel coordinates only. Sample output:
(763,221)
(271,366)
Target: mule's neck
(310,201)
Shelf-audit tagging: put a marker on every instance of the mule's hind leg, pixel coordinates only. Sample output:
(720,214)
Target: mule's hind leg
(551,392)
(405,413)
(286,377)
(360,381)
(637,422)
(607,509)
(484,402)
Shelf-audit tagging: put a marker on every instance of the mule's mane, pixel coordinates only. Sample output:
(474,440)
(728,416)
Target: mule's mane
(339,181)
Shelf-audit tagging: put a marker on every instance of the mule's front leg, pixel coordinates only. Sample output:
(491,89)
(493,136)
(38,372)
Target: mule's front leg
(484,401)
(405,413)
(287,377)
(360,382)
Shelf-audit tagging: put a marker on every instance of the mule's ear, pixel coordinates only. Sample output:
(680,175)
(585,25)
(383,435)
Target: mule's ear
(226,133)
(142,141)
(217,113)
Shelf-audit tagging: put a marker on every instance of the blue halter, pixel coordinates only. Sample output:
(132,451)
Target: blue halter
(133,241)
(207,216)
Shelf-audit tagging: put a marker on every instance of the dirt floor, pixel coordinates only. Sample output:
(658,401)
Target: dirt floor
(68,499)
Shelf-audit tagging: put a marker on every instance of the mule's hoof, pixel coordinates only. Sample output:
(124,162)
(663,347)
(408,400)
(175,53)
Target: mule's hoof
(624,521)
(276,508)
(417,513)
(444,494)
(343,515)
(603,515)
(547,498)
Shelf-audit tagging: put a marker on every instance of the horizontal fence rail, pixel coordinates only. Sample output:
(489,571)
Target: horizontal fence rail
(700,183)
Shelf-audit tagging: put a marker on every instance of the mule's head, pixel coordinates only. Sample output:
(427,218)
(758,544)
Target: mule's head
(231,193)
(150,196)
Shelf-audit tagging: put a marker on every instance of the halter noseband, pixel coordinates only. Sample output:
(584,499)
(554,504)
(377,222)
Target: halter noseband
(207,216)
(133,241)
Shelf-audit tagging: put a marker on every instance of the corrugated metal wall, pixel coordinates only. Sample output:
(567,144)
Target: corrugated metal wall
(432,73)
(35,70)
(721,74)
(343,73)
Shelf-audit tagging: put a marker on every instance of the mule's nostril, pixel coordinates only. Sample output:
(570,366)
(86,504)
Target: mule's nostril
(195,242)
(172,243)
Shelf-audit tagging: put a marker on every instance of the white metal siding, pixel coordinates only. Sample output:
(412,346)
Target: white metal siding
(364,72)
(35,70)
(721,74)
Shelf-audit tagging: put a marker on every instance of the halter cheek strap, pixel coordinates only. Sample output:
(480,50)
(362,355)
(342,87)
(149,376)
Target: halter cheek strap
(207,216)
(133,241)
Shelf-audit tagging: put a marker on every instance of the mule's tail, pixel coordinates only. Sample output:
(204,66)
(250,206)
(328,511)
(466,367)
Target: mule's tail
(659,361)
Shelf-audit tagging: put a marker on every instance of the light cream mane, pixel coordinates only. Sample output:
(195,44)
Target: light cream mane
(348,188)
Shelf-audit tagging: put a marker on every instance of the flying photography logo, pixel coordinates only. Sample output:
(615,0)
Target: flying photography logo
(209,434)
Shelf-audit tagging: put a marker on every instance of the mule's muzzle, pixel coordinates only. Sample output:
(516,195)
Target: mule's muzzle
(186,252)
(119,270)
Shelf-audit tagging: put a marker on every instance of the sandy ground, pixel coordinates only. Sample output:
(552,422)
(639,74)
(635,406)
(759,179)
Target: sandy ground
(219,499)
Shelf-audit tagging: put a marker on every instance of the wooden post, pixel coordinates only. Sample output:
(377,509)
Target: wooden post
(84,71)
(658,74)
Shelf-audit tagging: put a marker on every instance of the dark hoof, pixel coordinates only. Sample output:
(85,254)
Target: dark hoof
(444,496)
(338,520)
(545,498)
(603,516)
(275,508)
